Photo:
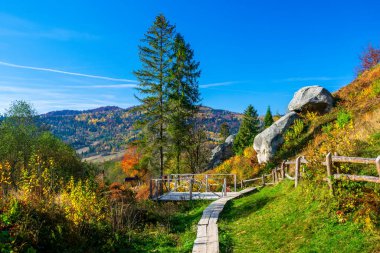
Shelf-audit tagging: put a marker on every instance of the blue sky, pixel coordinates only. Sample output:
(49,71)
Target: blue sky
(81,54)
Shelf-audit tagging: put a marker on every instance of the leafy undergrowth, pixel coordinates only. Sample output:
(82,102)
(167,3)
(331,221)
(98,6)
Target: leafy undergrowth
(284,219)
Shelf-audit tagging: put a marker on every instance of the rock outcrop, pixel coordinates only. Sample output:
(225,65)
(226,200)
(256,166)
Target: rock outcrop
(312,99)
(222,152)
(267,142)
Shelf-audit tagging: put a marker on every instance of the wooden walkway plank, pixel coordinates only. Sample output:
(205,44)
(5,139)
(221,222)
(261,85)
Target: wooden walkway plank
(207,240)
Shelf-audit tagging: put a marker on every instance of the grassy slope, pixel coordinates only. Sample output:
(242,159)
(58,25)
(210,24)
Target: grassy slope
(177,236)
(284,219)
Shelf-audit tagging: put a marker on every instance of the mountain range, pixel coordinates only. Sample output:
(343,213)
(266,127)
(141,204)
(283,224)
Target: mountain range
(107,130)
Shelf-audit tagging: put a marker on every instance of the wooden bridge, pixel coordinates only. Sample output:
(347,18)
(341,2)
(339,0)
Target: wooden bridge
(177,187)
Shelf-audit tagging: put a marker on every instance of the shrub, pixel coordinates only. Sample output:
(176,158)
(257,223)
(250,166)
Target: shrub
(343,119)
(376,87)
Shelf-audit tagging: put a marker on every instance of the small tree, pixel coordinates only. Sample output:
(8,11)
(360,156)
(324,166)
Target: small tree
(224,132)
(369,58)
(249,128)
(268,119)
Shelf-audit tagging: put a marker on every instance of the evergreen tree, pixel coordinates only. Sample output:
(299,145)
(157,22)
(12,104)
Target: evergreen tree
(249,128)
(183,96)
(154,78)
(268,119)
(224,132)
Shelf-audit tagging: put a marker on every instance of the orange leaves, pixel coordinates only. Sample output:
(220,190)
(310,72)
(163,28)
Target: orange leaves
(130,161)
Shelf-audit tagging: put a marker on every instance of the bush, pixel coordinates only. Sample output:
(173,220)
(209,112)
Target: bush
(343,119)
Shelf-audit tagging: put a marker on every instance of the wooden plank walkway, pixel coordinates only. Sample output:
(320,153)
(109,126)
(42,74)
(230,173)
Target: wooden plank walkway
(207,240)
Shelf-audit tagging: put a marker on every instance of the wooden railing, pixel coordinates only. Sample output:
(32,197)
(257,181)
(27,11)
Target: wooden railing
(192,183)
(330,159)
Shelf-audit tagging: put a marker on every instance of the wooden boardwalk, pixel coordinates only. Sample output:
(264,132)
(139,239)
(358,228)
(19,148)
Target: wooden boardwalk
(207,240)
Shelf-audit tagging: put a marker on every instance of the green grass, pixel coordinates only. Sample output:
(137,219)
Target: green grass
(177,235)
(284,219)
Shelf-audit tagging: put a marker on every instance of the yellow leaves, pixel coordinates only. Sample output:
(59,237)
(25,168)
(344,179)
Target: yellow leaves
(81,204)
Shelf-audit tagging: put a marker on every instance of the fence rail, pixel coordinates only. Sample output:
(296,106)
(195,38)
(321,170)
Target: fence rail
(330,159)
(192,183)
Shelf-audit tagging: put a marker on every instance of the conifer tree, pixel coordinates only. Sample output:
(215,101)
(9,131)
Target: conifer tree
(268,119)
(224,132)
(183,96)
(154,77)
(249,128)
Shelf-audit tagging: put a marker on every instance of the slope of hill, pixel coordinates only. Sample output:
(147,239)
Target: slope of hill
(106,130)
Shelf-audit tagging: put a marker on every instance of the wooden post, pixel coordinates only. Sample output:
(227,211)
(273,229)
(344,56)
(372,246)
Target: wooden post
(150,188)
(156,183)
(273,178)
(263,179)
(225,187)
(328,169)
(241,184)
(169,179)
(191,188)
(175,183)
(297,176)
(283,169)
(235,182)
(378,164)
(207,183)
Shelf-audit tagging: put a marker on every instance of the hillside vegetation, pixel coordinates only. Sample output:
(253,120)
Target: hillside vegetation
(309,219)
(108,129)
(285,219)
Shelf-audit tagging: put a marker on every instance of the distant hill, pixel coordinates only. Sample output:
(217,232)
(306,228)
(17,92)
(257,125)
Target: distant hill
(106,130)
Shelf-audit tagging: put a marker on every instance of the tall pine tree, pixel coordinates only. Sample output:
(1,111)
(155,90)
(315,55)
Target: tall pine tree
(249,128)
(183,96)
(154,78)
(268,119)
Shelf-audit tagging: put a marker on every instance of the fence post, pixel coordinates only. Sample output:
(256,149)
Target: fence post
(263,179)
(328,168)
(283,169)
(169,179)
(225,187)
(191,189)
(235,182)
(297,176)
(206,183)
(175,183)
(241,184)
(156,183)
(378,164)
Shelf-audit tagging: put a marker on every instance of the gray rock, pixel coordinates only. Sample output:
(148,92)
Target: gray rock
(313,99)
(222,152)
(267,142)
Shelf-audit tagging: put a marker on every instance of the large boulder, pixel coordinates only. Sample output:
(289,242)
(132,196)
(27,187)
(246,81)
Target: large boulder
(268,141)
(222,152)
(312,99)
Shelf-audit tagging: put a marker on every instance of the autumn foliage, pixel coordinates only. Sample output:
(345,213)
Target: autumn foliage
(130,161)
(369,59)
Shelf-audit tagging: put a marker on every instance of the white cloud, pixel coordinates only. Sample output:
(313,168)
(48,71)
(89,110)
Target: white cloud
(64,72)
(209,85)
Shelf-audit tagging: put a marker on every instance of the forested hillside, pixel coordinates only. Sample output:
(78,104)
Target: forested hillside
(109,129)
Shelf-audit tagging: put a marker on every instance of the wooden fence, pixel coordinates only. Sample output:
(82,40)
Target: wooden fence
(330,159)
(281,172)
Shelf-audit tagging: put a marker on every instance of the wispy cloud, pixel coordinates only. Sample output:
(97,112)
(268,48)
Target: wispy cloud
(110,86)
(16,26)
(209,85)
(312,78)
(64,72)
